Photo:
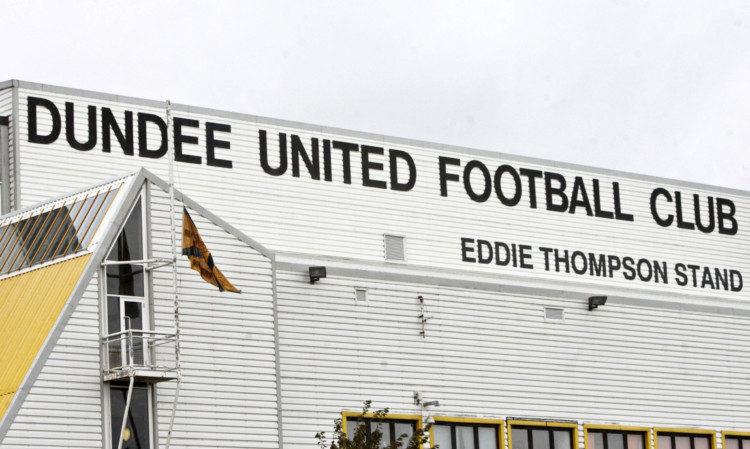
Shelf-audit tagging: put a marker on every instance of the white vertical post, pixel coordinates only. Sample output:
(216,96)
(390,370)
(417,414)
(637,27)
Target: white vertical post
(175,298)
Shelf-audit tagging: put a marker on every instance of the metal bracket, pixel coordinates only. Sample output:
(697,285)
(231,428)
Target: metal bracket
(423,317)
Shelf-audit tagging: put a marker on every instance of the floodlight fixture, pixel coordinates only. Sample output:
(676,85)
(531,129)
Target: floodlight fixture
(596,301)
(317,273)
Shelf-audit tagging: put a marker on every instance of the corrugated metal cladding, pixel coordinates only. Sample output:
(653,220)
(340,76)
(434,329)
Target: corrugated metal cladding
(64,406)
(495,355)
(30,303)
(6,110)
(228,393)
(343,219)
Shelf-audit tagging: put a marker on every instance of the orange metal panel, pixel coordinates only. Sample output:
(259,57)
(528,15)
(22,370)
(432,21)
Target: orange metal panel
(30,304)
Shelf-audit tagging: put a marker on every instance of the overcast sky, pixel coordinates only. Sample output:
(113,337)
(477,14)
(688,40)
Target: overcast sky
(652,87)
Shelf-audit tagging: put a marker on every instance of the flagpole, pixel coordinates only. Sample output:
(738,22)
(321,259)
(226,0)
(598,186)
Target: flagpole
(173,229)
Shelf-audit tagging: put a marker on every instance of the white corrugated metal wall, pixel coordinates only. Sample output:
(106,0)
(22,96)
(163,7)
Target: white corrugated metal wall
(349,220)
(64,406)
(228,395)
(494,355)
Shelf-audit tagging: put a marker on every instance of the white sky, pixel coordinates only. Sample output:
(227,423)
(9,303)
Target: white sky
(653,87)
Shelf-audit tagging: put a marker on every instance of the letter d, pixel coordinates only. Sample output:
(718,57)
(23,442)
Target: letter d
(34,136)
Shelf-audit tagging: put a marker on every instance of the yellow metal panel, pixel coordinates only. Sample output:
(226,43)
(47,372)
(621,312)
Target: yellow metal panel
(30,304)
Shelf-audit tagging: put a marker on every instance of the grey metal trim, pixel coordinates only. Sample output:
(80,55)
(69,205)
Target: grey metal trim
(6,84)
(440,279)
(70,305)
(205,213)
(16,199)
(68,195)
(4,166)
(277,355)
(386,140)
(88,93)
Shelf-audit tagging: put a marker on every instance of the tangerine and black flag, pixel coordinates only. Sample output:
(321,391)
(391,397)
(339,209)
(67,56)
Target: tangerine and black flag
(200,257)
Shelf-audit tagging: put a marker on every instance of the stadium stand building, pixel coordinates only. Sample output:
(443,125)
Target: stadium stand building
(512,303)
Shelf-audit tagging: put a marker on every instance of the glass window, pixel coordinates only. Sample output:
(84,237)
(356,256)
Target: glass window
(126,295)
(636,440)
(384,429)
(669,440)
(520,439)
(541,437)
(595,440)
(488,437)
(465,435)
(615,439)
(700,443)
(736,441)
(561,439)
(127,279)
(402,428)
(442,435)
(137,429)
(56,230)
(390,429)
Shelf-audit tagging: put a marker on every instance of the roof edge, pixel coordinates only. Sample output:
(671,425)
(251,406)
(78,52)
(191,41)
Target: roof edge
(371,136)
(69,194)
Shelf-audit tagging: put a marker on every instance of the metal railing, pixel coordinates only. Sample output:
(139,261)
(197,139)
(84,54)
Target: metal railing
(135,350)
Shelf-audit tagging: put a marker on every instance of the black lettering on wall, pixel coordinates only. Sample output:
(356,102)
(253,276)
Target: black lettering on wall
(212,143)
(487,191)
(513,200)
(698,221)
(327,168)
(393,157)
(681,222)
(109,125)
(311,163)
(736,280)
(598,211)
(555,191)
(33,103)
(579,197)
(619,214)
(70,129)
(466,249)
(143,149)
(281,169)
(531,175)
(443,162)
(346,150)
(657,192)
(725,212)
(368,165)
(180,138)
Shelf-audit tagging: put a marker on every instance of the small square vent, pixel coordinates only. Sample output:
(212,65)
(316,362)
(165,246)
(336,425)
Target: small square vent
(360,295)
(395,248)
(553,314)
